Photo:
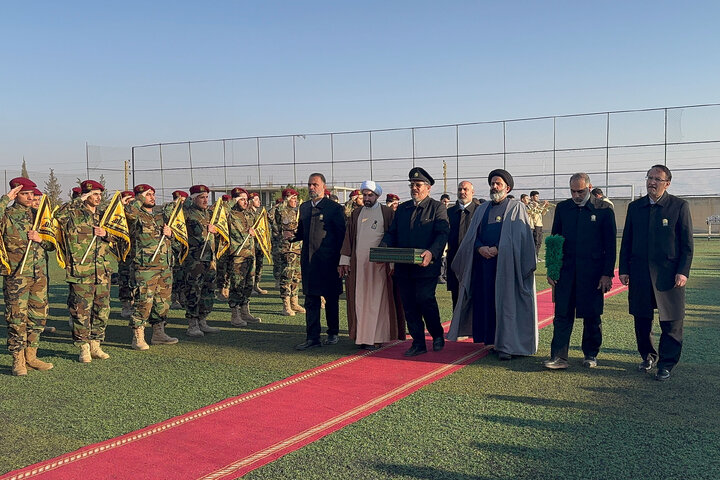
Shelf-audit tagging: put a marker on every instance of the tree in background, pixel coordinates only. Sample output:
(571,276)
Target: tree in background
(53,189)
(104,194)
(23,171)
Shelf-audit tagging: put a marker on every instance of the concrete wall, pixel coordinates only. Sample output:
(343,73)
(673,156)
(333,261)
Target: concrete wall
(700,209)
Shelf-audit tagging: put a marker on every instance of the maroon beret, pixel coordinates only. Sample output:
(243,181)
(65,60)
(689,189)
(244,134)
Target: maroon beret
(225,198)
(253,195)
(90,185)
(179,193)
(355,193)
(237,191)
(26,183)
(391,197)
(141,188)
(288,192)
(37,192)
(76,192)
(199,189)
(327,192)
(127,193)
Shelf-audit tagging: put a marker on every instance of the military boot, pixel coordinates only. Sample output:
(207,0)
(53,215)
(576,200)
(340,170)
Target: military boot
(193,328)
(257,289)
(295,304)
(85,356)
(138,341)
(236,320)
(96,351)
(247,316)
(205,328)
(287,308)
(32,361)
(18,368)
(127,309)
(159,337)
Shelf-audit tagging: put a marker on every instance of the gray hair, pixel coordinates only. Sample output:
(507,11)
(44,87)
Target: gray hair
(580,176)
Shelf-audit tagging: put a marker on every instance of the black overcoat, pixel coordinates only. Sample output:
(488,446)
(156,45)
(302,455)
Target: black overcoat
(322,231)
(428,231)
(657,244)
(589,252)
(459,222)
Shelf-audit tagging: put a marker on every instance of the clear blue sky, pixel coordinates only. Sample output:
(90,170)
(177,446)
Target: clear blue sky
(127,73)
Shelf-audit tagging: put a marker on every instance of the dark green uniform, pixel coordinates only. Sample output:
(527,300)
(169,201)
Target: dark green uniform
(284,228)
(241,256)
(200,272)
(25,294)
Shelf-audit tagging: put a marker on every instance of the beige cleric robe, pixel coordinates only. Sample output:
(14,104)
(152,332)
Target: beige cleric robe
(369,286)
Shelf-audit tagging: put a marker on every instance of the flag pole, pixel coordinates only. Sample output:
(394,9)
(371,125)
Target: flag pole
(43,199)
(162,238)
(102,221)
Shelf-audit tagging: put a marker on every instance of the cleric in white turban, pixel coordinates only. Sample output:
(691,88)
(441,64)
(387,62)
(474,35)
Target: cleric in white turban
(372,309)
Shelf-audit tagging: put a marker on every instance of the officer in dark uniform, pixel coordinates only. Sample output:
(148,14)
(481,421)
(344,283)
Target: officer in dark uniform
(420,223)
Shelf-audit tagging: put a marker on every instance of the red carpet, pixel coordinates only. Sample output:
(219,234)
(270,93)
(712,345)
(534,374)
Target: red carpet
(232,437)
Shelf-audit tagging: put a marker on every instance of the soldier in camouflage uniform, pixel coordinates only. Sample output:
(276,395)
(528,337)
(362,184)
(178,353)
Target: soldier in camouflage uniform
(75,197)
(178,285)
(25,293)
(200,266)
(89,280)
(356,201)
(284,226)
(153,278)
(257,210)
(126,274)
(223,263)
(275,242)
(241,267)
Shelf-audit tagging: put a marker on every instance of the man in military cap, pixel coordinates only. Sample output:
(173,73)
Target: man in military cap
(495,267)
(25,292)
(125,273)
(178,281)
(354,203)
(200,264)
(284,227)
(151,238)
(88,279)
(257,210)
(223,263)
(420,223)
(392,201)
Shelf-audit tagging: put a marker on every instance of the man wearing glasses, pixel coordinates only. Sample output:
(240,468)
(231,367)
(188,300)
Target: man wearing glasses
(421,223)
(655,257)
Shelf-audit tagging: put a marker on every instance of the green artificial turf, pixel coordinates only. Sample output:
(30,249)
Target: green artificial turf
(491,419)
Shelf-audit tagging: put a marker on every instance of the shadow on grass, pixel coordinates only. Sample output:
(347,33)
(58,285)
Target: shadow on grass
(415,471)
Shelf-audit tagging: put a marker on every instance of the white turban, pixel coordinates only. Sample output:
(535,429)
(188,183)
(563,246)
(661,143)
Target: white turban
(370,185)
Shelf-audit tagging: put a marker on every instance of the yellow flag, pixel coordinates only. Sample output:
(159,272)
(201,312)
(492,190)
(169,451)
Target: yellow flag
(49,229)
(220,221)
(179,228)
(262,233)
(115,223)
(4,260)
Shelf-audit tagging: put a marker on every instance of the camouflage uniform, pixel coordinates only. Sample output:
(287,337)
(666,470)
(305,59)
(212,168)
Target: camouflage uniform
(58,213)
(90,281)
(200,273)
(26,304)
(350,207)
(153,278)
(275,241)
(178,270)
(259,255)
(284,226)
(242,260)
(126,278)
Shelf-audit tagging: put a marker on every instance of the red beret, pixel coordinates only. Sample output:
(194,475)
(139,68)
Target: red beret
(391,197)
(278,200)
(127,193)
(199,189)
(76,192)
(37,192)
(253,195)
(225,198)
(179,193)
(142,188)
(90,185)
(26,183)
(355,193)
(237,191)
(288,192)
(327,192)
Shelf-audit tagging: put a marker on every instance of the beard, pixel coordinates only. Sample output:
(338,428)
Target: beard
(314,195)
(368,203)
(497,195)
(578,201)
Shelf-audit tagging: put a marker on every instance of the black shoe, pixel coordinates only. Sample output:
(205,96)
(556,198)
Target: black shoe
(556,363)
(662,374)
(414,351)
(646,365)
(307,344)
(590,362)
(370,347)
(504,356)
(438,344)
(331,340)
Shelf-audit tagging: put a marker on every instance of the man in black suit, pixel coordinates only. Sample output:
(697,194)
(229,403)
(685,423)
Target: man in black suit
(655,257)
(588,266)
(420,223)
(321,227)
(459,215)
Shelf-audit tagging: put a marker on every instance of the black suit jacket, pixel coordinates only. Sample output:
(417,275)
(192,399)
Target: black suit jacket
(657,244)
(428,231)
(322,231)
(459,222)
(589,252)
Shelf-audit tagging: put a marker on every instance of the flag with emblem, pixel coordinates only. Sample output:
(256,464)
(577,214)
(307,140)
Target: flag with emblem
(220,222)
(116,225)
(262,233)
(179,228)
(49,230)
(4,260)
